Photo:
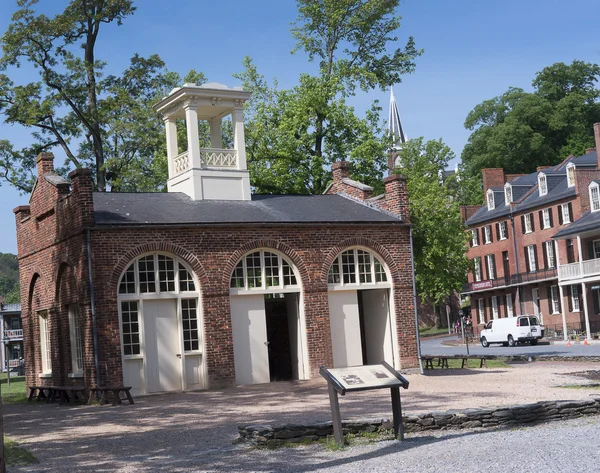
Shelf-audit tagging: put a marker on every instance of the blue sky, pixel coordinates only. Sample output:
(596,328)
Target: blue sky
(474,50)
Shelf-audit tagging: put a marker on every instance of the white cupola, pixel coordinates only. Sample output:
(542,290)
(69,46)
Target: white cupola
(206,173)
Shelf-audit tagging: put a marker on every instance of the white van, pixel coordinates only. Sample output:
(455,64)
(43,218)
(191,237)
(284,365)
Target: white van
(512,330)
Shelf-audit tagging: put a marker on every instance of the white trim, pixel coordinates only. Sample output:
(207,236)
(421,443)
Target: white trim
(546,219)
(45,346)
(481,310)
(76,340)
(509,305)
(570,179)
(528,223)
(474,237)
(542,183)
(503,230)
(549,248)
(374,284)
(575,298)
(487,234)
(491,202)
(508,198)
(594,197)
(495,311)
(554,299)
(566,215)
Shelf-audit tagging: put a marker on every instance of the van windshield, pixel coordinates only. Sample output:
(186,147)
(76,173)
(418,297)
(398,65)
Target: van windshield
(533,321)
(524,322)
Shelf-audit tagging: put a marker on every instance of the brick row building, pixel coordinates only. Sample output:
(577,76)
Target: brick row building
(208,285)
(535,245)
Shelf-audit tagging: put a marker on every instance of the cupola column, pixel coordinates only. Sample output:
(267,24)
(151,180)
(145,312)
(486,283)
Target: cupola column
(193,139)
(215,133)
(172,147)
(239,141)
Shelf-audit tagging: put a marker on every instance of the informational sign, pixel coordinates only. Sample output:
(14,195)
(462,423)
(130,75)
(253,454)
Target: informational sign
(357,378)
(363,378)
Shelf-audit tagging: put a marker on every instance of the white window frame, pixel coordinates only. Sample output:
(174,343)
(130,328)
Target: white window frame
(555,299)
(503,230)
(546,218)
(575,297)
(495,307)
(263,288)
(528,223)
(375,262)
(566,216)
(507,194)
(45,346)
(594,197)
(475,237)
(487,235)
(491,203)
(570,174)
(596,248)
(550,257)
(491,267)
(531,254)
(509,305)
(481,310)
(76,340)
(542,184)
(477,272)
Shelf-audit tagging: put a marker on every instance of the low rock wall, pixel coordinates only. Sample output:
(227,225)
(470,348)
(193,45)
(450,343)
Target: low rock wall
(266,435)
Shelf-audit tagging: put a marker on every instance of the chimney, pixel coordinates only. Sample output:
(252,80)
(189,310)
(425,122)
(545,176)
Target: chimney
(82,189)
(340,170)
(492,177)
(396,196)
(541,168)
(45,163)
(597,140)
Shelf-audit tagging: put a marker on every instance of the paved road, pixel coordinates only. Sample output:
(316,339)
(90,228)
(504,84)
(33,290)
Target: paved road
(435,346)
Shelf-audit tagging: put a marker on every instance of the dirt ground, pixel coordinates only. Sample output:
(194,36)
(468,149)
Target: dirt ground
(185,426)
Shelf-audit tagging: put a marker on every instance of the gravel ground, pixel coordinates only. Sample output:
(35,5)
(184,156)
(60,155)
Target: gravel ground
(194,431)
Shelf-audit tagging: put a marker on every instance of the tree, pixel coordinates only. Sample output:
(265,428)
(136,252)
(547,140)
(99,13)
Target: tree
(9,278)
(520,131)
(298,133)
(441,264)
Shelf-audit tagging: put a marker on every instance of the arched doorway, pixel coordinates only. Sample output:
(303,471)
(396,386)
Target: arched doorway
(267,320)
(360,314)
(161,326)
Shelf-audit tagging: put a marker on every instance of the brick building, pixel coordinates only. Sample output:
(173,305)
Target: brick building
(535,245)
(207,285)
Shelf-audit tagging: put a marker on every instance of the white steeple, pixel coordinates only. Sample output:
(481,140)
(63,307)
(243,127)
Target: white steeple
(394,123)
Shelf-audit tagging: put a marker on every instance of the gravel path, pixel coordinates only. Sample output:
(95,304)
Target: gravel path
(193,431)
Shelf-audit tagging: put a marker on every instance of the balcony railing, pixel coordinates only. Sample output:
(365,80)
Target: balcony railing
(515,279)
(209,157)
(584,269)
(13,333)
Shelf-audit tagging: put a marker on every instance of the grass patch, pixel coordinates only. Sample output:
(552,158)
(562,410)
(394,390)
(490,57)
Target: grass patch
(580,386)
(14,393)
(15,455)
(475,364)
(430,331)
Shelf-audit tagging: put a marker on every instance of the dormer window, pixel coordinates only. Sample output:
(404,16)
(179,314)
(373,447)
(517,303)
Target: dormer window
(490,200)
(594,197)
(571,174)
(542,184)
(508,194)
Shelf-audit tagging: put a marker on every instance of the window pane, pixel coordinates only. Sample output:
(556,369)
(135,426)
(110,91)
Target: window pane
(131,336)
(166,273)
(364,266)
(380,275)
(186,282)
(189,324)
(348,267)
(334,273)
(146,272)
(127,285)
(271,269)
(289,278)
(253,270)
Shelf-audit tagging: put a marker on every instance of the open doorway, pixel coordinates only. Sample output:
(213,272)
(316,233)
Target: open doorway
(283,340)
(375,327)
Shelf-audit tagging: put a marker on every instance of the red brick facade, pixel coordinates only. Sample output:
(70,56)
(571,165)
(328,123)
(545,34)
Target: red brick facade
(55,231)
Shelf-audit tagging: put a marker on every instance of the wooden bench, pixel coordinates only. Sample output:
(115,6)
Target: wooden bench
(58,393)
(465,360)
(104,391)
(43,392)
(443,360)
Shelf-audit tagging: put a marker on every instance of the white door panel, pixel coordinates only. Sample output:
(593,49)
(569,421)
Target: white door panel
(378,333)
(249,327)
(345,328)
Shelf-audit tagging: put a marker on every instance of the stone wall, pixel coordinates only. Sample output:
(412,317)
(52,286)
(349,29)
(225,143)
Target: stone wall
(449,420)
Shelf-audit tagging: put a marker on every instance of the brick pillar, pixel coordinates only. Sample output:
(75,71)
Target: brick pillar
(82,189)
(492,177)
(396,196)
(318,330)
(45,163)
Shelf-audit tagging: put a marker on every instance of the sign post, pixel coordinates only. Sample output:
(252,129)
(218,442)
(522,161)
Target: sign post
(364,378)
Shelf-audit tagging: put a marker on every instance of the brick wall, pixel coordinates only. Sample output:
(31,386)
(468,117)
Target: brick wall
(54,274)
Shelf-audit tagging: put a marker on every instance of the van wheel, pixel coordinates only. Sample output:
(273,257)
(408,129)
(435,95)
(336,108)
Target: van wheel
(484,342)
(534,342)
(511,341)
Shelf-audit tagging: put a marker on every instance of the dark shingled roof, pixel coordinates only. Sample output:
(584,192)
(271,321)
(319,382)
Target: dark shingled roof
(588,221)
(589,159)
(177,208)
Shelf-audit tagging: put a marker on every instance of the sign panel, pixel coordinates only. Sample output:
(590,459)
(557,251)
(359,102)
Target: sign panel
(358,378)
(482,285)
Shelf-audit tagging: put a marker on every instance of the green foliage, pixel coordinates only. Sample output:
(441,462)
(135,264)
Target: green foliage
(519,131)
(15,392)
(15,455)
(294,135)
(9,278)
(439,238)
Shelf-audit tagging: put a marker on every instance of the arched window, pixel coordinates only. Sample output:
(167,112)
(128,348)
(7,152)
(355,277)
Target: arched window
(357,266)
(155,274)
(263,270)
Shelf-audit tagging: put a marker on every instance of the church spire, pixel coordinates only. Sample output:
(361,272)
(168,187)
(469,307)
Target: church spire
(394,123)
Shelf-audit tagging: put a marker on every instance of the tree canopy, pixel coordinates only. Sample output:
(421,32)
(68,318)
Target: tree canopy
(441,263)
(9,278)
(294,135)
(521,130)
